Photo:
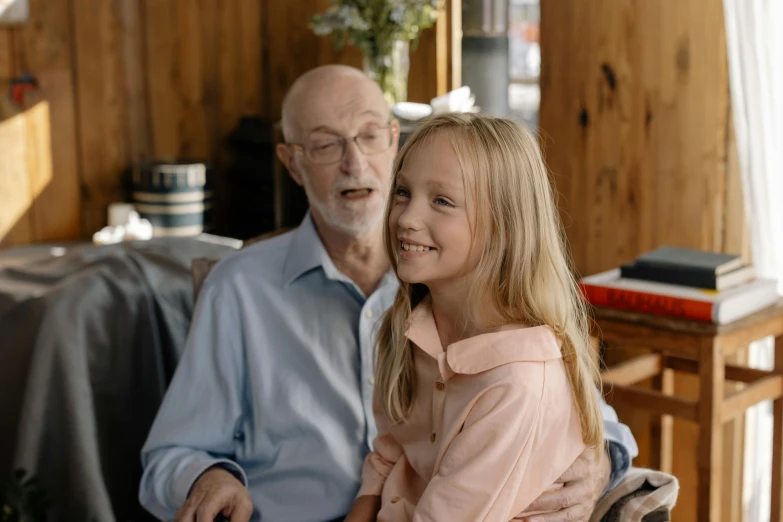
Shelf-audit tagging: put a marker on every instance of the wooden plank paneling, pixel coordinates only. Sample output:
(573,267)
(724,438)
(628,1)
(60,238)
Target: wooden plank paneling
(634,119)
(15,191)
(424,75)
(431,70)
(251,36)
(6,55)
(162,78)
(137,133)
(127,80)
(634,100)
(231,74)
(101,109)
(194,139)
(289,33)
(211,70)
(44,45)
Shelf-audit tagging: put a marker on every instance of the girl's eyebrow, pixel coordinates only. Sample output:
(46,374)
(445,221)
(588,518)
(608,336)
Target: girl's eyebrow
(432,183)
(442,185)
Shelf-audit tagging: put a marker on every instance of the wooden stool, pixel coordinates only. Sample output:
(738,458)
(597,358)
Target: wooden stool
(701,349)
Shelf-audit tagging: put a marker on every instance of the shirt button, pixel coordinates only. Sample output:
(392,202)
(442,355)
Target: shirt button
(432,438)
(440,386)
(371,380)
(368,312)
(395,500)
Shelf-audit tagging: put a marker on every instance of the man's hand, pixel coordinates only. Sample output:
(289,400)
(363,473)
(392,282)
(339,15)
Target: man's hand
(215,491)
(583,484)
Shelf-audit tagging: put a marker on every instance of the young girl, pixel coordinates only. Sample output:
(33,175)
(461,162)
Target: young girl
(485,388)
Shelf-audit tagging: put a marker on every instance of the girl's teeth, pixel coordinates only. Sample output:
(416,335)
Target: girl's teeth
(414,248)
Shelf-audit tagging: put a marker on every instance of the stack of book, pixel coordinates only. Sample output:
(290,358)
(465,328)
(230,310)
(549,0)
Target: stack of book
(683,283)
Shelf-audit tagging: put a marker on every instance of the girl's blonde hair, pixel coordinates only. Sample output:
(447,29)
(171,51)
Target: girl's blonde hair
(524,266)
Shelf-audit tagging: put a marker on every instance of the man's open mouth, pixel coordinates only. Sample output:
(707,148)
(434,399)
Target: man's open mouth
(356,193)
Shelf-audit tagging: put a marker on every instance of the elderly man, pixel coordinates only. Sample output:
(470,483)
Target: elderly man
(269,414)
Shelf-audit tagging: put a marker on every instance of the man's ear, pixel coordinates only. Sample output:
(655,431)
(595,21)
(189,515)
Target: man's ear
(286,157)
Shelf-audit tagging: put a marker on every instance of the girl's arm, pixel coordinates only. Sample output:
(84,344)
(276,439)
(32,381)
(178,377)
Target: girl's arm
(365,509)
(377,466)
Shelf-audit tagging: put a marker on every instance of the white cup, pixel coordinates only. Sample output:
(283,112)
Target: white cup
(119,213)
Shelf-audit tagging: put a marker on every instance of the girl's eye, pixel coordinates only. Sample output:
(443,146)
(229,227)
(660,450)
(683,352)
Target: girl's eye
(443,202)
(399,191)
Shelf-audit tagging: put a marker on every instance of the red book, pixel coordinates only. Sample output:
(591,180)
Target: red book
(609,290)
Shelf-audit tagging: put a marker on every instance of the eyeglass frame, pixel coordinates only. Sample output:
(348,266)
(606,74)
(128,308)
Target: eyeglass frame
(298,147)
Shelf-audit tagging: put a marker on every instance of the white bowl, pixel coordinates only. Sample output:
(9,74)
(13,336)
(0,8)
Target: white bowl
(411,111)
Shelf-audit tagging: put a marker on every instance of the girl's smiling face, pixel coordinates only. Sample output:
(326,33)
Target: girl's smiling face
(431,216)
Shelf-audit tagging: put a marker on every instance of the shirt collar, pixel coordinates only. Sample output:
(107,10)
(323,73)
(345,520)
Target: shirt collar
(307,252)
(482,352)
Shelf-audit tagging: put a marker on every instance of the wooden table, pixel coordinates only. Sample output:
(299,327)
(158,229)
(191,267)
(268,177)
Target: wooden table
(701,349)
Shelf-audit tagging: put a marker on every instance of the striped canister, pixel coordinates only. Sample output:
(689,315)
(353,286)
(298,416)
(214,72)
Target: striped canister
(175,197)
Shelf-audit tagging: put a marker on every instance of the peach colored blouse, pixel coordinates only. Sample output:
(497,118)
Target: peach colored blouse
(493,426)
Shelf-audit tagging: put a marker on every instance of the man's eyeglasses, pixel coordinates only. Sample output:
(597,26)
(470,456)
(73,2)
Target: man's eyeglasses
(331,150)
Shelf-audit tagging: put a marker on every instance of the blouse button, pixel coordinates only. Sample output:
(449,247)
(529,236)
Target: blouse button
(395,500)
(432,438)
(440,386)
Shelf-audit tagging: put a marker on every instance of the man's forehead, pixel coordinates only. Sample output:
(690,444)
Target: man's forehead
(331,120)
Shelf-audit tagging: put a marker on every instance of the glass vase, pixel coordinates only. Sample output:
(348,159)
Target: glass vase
(388,67)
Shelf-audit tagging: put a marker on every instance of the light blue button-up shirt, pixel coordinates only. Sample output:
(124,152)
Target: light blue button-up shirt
(275,384)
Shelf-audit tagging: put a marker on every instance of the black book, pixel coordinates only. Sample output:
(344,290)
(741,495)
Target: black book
(668,257)
(689,276)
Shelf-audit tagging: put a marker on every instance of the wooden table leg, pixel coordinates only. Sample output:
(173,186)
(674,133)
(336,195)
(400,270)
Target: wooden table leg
(710,451)
(662,427)
(776,513)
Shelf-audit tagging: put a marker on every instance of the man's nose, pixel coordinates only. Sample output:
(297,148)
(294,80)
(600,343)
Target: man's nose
(353,161)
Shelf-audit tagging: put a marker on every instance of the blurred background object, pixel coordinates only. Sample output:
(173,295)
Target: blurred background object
(524,31)
(485,53)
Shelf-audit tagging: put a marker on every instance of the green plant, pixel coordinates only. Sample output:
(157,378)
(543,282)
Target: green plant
(376,27)
(22,499)
(373,25)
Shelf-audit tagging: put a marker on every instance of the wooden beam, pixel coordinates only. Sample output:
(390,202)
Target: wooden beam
(733,373)
(653,401)
(455,45)
(633,371)
(777,442)
(710,449)
(767,388)
(628,334)
(662,427)
(769,321)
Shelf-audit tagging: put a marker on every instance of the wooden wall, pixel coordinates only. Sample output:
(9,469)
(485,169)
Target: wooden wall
(635,120)
(127,80)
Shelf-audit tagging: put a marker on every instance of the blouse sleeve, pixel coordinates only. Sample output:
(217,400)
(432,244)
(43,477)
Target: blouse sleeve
(385,454)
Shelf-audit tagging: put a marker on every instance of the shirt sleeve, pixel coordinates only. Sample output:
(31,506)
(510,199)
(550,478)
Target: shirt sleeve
(385,454)
(198,421)
(620,444)
(484,473)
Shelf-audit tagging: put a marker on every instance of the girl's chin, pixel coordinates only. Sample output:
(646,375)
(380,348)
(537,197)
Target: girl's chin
(409,277)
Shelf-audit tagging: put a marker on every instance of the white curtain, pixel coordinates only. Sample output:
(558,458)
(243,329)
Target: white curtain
(754,35)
